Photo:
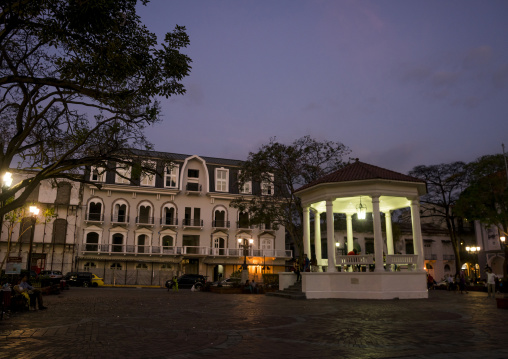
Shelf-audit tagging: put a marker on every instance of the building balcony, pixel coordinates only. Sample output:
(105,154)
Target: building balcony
(120,219)
(192,223)
(94,217)
(190,251)
(220,224)
(193,189)
(267,227)
(448,257)
(430,257)
(244,225)
(169,222)
(144,221)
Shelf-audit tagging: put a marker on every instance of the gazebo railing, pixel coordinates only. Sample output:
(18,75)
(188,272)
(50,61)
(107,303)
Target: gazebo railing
(355,260)
(410,260)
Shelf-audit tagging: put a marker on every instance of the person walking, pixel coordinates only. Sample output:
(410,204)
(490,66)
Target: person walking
(175,284)
(491,283)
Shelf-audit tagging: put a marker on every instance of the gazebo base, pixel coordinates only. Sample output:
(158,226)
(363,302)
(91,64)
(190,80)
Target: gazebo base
(365,285)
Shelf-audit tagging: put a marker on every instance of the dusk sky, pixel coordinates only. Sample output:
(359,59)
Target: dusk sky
(402,83)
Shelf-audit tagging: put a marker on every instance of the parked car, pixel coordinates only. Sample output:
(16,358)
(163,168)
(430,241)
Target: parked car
(79,279)
(97,281)
(187,281)
(229,282)
(53,274)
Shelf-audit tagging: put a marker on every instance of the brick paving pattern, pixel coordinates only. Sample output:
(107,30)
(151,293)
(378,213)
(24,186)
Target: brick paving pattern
(155,323)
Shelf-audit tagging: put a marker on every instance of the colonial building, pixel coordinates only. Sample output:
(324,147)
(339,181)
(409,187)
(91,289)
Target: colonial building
(144,230)
(56,226)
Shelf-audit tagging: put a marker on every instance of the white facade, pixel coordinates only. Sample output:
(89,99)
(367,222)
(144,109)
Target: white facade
(146,231)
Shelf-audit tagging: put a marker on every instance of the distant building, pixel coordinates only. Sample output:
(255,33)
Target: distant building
(55,237)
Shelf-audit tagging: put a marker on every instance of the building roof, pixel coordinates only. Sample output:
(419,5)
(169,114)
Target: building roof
(359,171)
(182,157)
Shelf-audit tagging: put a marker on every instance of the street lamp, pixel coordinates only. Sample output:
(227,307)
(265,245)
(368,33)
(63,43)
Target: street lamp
(34,211)
(7,179)
(246,244)
(473,250)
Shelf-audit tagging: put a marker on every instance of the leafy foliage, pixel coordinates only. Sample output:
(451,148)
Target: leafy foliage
(486,198)
(78,85)
(445,183)
(285,168)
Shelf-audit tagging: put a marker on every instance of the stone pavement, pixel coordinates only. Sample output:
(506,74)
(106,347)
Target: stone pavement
(155,323)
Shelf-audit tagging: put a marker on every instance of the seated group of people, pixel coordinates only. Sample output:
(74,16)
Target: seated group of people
(251,287)
(32,296)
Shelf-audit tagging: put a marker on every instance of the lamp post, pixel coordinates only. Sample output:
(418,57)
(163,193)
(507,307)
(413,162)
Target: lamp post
(34,211)
(245,244)
(474,251)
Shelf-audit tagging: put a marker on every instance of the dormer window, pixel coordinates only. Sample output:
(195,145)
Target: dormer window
(123,174)
(221,180)
(267,185)
(246,187)
(97,174)
(171,177)
(148,179)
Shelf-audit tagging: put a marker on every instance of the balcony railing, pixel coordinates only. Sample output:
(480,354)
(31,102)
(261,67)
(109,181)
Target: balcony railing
(220,224)
(185,250)
(193,187)
(448,257)
(169,221)
(266,227)
(430,257)
(94,217)
(145,220)
(120,218)
(243,225)
(190,222)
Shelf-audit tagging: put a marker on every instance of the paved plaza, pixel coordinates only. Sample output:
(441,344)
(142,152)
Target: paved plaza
(155,323)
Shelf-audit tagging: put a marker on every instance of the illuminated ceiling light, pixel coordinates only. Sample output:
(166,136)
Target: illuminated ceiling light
(361,210)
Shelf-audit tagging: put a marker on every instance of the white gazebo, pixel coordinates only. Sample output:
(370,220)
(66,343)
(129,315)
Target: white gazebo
(360,189)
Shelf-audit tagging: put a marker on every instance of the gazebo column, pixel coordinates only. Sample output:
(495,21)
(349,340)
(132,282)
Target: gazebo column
(389,232)
(349,223)
(417,233)
(330,234)
(389,235)
(306,232)
(378,235)
(317,240)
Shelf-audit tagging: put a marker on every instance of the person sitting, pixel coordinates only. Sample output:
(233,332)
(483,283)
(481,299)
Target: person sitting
(247,288)
(33,294)
(254,288)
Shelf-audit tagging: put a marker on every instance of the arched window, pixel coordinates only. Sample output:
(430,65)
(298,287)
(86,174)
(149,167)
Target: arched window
(166,267)
(116,266)
(220,218)
(141,266)
(120,210)
(169,216)
(446,268)
(117,242)
(168,241)
(94,211)
(145,214)
(92,242)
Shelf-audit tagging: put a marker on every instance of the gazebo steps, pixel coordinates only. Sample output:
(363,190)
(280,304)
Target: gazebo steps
(292,292)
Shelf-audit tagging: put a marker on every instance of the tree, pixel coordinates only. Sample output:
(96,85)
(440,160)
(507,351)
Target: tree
(282,169)
(78,85)
(445,183)
(486,198)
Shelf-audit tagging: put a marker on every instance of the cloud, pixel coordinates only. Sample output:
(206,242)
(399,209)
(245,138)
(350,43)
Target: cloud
(478,56)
